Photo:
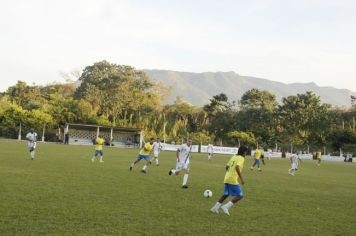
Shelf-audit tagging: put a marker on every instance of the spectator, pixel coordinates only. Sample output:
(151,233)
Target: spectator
(66,134)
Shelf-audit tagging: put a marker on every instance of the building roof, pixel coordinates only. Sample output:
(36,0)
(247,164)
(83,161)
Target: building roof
(122,129)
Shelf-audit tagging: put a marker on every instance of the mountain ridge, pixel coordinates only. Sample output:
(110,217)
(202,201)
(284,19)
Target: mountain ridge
(198,88)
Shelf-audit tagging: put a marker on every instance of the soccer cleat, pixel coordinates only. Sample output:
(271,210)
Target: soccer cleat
(143,171)
(225,210)
(130,168)
(170,172)
(101,161)
(251,168)
(214,210)
(184,186)
(92,160)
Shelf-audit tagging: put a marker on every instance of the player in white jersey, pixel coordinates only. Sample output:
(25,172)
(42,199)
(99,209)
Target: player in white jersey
(31,138)
(269,154)
(157,147)
(294,161)
(210,150)
(183,157)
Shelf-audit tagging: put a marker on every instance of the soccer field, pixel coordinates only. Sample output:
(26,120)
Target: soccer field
(62,192)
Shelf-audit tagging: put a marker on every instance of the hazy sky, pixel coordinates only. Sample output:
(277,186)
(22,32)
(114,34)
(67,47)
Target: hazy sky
(282,40)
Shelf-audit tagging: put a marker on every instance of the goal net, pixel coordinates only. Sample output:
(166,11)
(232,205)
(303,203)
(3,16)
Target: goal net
(117,137)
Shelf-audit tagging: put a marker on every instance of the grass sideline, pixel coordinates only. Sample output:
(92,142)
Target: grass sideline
(63,193)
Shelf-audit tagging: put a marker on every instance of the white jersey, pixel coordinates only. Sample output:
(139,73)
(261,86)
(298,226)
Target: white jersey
(210,148)
(294,158)
(32,138)
(184,153)
(157,147)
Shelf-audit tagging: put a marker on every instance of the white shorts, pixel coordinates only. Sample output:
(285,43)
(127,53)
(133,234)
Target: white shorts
(294,166)
(155,153)
(31,145)
(182,166)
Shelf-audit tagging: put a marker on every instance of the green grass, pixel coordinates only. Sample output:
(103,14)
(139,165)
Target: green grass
(63,193)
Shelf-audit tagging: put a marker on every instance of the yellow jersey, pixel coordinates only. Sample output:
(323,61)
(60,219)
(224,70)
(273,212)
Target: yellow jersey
(148,147)
(99,143)
(231,176)
(318,155)
(258,154)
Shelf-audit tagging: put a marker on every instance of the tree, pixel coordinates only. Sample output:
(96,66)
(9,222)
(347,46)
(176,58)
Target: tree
(40,120)
(218,103)
(240,137)
(28,97)
(343,138)
(201,137)
(257,115)
(117,91)
(303,117)
(11,118)
(220,116)
(257,99)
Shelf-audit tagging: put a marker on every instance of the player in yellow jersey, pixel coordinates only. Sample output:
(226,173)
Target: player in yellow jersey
(318,157)
(99,142)
(262,155)
(144,154)
(257,158)
(233,179)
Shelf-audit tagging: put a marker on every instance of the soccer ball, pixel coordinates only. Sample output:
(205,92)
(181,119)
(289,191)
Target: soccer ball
(208,193)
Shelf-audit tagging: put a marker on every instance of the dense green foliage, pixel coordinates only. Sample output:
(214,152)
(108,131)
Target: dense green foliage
(63,193)
(121,96)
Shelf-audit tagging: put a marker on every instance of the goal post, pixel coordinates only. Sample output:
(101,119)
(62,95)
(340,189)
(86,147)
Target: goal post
(83,134)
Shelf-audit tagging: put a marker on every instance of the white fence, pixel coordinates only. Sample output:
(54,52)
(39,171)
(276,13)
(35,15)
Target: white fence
(173,147)
(203,149)
(220,150)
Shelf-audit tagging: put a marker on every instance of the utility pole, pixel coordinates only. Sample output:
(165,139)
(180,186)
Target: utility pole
(19,137)
(291,148)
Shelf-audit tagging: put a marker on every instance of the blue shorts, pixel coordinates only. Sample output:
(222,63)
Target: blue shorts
(257,162)
(233,190)
(98,152)
(140,157)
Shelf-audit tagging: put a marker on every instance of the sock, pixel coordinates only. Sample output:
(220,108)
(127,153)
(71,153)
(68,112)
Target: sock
(144,167)
(33,154)
(229,205)
(156,159)
(101,158)
(185,179)
(132,164)
(93,159)
(217,205)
